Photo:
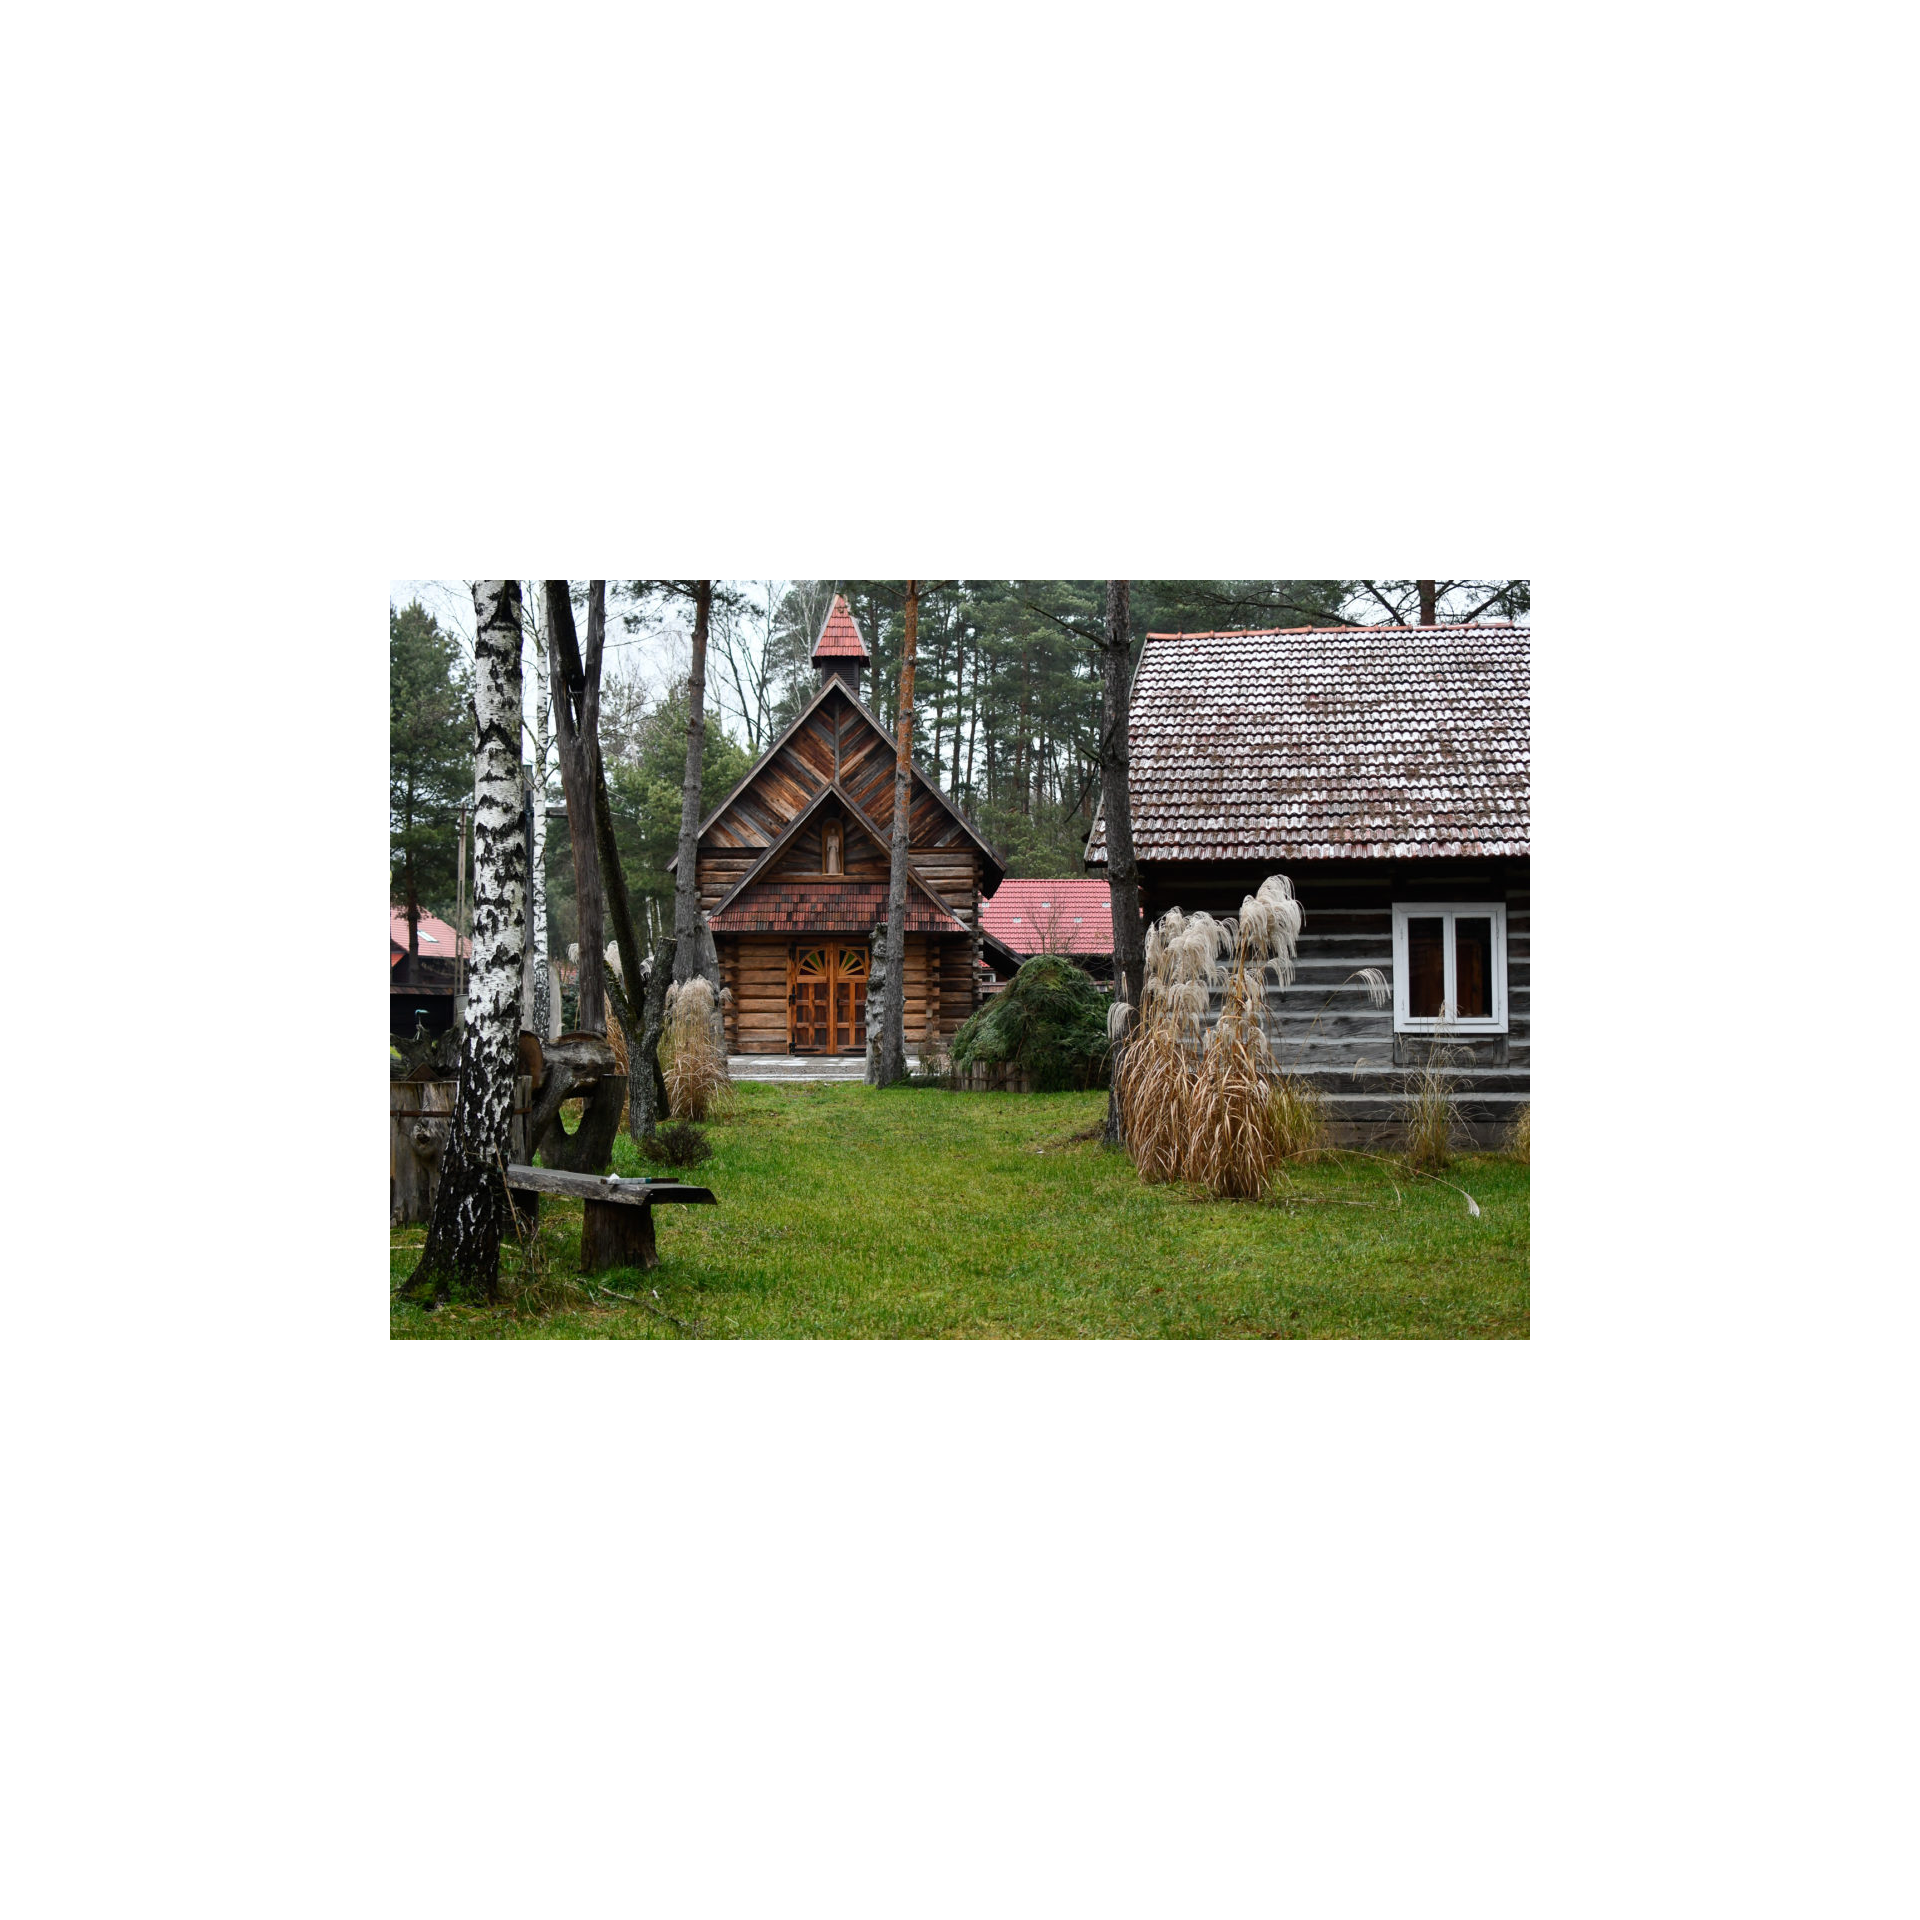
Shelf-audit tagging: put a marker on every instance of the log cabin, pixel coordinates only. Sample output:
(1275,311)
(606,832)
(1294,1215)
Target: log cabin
(792,869)
(1385,772)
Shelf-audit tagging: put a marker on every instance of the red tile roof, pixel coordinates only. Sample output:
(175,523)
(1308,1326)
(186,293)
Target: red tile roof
(1314,743)
(1077,914)
(826,906)
(840,637)
(436,937)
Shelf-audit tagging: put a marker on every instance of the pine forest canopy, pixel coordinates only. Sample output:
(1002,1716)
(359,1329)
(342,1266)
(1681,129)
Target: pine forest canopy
(1007,680)
(1006,699)
(430,756)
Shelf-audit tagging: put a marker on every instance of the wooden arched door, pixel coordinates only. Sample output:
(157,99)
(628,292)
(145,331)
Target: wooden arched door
(827,1005)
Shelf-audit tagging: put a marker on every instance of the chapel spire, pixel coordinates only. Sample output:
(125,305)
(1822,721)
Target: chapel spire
(840,653)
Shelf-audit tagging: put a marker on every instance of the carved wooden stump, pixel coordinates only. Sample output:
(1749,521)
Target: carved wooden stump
(419,1113)
(579,1066)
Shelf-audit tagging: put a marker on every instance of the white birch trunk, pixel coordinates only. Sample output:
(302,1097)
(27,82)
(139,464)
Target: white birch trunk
(544,1014)
(471,1209)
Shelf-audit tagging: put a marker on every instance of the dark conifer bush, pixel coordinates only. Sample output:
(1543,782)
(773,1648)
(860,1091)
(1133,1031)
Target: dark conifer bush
(679,1145)
(1049,1021)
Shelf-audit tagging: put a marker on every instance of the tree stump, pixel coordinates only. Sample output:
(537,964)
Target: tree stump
(578,1066)
(589,1148)
(615,1235)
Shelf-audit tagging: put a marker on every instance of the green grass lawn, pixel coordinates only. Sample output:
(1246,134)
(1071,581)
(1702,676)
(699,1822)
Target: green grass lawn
(921,1214)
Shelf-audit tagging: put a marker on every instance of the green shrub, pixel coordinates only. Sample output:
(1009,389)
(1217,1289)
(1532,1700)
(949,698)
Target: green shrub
(678,1145)
(1049,1022)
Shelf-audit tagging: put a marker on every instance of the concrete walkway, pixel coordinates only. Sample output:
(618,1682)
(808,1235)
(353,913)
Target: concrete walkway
(755,1067)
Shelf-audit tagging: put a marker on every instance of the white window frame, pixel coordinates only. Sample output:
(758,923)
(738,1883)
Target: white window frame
(1448,911)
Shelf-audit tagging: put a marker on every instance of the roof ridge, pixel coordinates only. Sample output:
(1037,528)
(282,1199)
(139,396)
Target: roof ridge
(1384,626)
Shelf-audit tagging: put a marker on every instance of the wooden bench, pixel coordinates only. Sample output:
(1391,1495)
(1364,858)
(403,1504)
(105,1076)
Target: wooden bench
(619,1223)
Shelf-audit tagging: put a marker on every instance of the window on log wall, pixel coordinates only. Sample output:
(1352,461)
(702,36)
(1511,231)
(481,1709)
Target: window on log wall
(1450,967)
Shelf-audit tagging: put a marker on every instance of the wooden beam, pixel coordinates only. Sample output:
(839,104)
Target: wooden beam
(608,1187)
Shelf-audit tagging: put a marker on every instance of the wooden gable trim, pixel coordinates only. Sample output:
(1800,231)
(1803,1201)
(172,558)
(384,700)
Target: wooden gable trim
(753,772)
(833,790)
(913,872)
(959,819)
(779,846)
(996,867)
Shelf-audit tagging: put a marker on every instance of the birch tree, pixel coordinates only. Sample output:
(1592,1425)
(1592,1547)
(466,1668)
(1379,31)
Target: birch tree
(888,1062)
(544,1014)
(471,1207)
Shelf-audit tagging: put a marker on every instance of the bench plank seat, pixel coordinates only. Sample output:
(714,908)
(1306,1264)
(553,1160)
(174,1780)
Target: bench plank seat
(614,1189)
(618,1228)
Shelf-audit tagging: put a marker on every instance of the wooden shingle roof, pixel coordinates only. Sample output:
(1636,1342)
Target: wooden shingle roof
(1314,743)
(827,906)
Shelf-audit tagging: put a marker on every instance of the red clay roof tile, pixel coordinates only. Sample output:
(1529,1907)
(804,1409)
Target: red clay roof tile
(826,906)
(1062,916)
(840,638)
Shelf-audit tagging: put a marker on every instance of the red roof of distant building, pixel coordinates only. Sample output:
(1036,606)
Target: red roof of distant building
(436,937)
(840,638)
(1059,916)
(826,906)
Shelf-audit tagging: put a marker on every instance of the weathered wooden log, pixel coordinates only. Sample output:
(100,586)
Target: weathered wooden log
(419,1113)
(571,1065)
(614,1236)
(589,1148)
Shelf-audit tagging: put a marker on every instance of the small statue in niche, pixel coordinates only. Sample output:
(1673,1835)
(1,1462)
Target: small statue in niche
(832,857)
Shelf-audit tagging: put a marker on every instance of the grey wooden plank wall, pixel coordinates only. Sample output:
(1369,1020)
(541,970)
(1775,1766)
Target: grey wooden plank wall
(1326,1030)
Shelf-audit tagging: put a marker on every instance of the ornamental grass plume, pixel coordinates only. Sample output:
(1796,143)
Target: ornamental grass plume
(692,1052)
(1520,1140)
(1158,1063)
(1215,1106)
(1428,1109)
(1248,1116)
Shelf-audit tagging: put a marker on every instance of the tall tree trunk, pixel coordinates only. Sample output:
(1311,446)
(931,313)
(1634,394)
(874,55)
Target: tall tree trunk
(626,1000)
(889,1062)
(471,1208)
(686,890)
(576,714)
(973,720)
(647,1093)
(1123,874)
(546,1003)
(413,899)
(1426,601)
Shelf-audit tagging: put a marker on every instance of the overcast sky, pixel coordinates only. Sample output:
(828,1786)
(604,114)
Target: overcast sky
(655,658)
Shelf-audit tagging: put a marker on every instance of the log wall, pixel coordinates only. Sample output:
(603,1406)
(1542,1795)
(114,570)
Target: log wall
(757,970)
(1327,1029)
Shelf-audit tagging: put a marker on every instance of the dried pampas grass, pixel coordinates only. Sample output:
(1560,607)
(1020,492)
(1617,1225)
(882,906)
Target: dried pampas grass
(1520,1140)
(1427,1108)
(693,1052)
(1214,1106)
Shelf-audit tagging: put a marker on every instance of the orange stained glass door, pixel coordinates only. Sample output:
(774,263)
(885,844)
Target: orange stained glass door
(828,1003)
(850,1000)
(810,1026)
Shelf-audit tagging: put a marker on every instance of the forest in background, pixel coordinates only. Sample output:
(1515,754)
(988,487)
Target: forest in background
(1006,707)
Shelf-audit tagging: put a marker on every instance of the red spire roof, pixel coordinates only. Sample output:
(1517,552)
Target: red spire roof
(840,638)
